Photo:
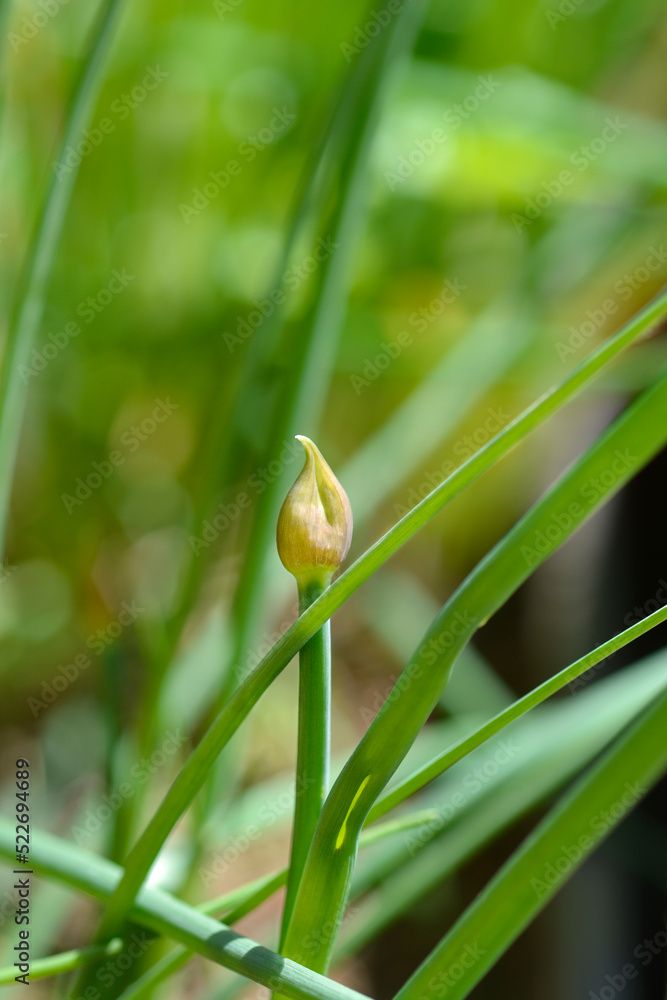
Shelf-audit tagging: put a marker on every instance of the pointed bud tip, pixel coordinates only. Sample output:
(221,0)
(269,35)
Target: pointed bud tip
(315,521)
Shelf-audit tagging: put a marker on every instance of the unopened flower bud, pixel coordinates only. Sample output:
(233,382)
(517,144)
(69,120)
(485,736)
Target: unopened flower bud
(315,521)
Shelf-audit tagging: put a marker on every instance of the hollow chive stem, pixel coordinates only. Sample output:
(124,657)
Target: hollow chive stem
(314,534)
(313,743)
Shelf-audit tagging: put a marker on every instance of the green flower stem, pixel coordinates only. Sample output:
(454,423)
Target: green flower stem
(535,697)
(313,745)
(195,771)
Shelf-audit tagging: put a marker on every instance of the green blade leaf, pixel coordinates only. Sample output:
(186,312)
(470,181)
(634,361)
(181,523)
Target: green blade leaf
(553,745)
(28,309)
(547,859)
(535,697)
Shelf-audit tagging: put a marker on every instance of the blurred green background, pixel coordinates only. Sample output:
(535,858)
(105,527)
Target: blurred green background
(510,216)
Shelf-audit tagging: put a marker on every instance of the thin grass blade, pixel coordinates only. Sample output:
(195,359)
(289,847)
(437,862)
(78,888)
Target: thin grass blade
(29,305)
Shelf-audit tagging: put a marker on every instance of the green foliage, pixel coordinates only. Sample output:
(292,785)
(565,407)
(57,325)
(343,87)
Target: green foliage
(429,274)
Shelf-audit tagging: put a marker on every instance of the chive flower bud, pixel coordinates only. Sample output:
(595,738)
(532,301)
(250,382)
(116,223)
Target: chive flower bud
(315,521)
